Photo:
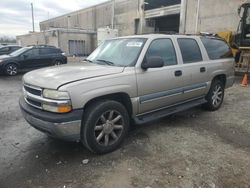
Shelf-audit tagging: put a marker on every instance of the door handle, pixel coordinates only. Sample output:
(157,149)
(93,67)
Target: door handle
(178,73)
(203,69)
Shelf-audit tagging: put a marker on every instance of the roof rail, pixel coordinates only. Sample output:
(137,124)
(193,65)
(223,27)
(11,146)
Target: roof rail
(42,45)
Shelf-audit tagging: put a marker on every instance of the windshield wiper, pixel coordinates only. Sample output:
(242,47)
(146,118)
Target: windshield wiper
(105,61)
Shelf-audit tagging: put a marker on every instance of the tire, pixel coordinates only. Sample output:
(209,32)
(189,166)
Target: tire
(104,126)
(58,62)
(215,96)
(11,69)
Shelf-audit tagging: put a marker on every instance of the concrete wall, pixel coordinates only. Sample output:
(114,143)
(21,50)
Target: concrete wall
(88,19)
(59,38)
(99,16)
(65,36)
(31,39)
(214,15)
(126,11)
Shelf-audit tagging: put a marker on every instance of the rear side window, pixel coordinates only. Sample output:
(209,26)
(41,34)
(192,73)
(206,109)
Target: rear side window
(216,49)
(163,48)
(190,50)
(45,51)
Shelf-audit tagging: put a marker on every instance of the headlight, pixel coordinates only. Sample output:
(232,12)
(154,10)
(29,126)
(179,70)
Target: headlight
(54,94)
(60,102)
(1,60)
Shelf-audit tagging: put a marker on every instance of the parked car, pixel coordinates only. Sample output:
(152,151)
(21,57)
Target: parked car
(5,50)
(32,57)
(130,79)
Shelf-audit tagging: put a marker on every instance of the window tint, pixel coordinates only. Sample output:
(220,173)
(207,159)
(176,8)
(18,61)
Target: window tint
(45,51)
(216,48)
(190,50)
(163,48)
(5,49)
(32,53)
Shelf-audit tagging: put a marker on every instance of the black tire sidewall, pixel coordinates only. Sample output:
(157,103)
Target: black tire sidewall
(88,125)
(58,62)
(209,105)
(6,66)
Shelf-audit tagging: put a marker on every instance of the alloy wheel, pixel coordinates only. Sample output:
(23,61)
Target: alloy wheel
(217,95)
(11,70)
(109,127)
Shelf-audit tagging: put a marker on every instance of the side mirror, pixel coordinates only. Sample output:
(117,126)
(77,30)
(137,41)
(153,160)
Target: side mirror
(152,62)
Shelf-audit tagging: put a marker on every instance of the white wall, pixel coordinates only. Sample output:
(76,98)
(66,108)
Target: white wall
(214,15)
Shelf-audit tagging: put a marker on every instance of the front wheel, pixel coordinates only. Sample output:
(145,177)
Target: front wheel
(215,96)
(11,69)
(105,126)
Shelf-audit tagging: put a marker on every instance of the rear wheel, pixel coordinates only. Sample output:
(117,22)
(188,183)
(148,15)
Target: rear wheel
(215,96)
(11,69)
(105,126)
(57,62)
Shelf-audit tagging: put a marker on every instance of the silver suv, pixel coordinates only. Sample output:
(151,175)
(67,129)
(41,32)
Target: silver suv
(126,80)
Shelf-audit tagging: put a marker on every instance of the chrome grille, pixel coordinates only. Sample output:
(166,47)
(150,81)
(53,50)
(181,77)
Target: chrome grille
(34,97)
(31,94)
(33,90)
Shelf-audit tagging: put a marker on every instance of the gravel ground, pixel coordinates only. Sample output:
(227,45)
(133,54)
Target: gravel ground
(194,148)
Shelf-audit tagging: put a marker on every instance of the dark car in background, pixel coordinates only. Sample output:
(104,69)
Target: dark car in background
(5,50)
(32,57)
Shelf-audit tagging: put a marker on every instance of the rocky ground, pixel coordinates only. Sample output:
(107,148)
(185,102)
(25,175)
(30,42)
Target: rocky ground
(194,148)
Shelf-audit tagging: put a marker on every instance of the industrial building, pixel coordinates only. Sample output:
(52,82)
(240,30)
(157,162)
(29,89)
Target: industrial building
(77,32)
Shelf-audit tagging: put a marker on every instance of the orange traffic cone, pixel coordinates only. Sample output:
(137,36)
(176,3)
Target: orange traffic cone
(244,82)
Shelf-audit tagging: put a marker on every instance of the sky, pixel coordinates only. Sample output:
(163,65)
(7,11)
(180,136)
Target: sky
(15,15)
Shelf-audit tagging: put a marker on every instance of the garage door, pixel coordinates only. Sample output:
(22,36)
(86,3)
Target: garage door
(77,47)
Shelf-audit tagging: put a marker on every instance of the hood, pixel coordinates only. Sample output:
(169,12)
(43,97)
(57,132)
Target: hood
(3,57)
(54,77)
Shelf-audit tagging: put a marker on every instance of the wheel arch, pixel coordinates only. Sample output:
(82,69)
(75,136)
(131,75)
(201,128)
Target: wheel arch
(12,62)
(221,77)
(121,97)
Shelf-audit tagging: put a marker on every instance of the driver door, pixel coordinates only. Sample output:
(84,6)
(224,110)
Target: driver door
(30,59)
(160,87)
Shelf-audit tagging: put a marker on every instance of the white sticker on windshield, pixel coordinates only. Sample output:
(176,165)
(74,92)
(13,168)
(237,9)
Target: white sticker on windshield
(134,44)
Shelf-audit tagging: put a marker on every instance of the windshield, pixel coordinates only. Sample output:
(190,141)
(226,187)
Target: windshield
(20,51)
(118,52)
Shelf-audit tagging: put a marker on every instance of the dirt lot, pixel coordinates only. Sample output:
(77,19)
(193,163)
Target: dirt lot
(195,148)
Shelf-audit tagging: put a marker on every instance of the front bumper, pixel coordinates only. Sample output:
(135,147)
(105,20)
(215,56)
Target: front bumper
(64,126)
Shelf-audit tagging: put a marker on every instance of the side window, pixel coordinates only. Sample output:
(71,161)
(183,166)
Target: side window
(5,49)
(56,51)
(32,53)
(190,50)
(45,51)
(163,48)
(216,48)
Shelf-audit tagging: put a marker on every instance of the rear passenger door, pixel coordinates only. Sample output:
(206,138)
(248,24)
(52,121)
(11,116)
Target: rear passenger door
(195,75)
(160,87)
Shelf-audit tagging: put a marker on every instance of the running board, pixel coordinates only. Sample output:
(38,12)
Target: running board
(140,119)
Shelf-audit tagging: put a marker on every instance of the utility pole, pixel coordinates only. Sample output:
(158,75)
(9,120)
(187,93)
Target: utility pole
(113,15)
(32,12)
